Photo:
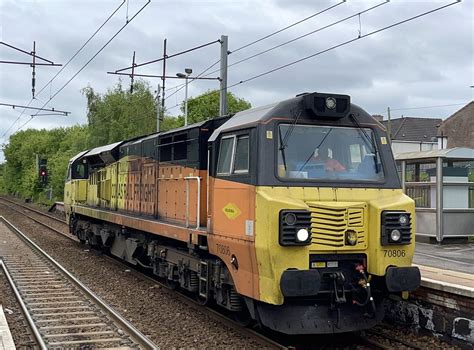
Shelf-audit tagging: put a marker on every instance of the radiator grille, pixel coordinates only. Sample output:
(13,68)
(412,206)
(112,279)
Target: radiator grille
(329,224)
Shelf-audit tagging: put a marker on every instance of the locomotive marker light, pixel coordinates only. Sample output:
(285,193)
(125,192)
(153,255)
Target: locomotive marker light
(290,219)
(330,103)
(395,235)
(302,235)
(403,220)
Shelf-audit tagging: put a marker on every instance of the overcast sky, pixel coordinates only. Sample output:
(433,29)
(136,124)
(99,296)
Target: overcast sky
(426,62)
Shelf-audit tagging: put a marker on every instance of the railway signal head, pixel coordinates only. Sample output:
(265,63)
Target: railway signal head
(43,174)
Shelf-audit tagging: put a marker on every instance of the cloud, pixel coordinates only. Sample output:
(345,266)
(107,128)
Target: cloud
(422,63)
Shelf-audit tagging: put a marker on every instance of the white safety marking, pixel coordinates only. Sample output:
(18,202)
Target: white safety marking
(249,227)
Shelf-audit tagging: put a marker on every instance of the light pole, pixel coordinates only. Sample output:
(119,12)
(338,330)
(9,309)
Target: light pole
(185,75)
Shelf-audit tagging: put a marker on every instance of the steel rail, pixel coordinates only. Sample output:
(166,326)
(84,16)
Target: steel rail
(133,332)
(212,313)
(39,340)
(34,210)
(368,337)
(189,301)
(73,238)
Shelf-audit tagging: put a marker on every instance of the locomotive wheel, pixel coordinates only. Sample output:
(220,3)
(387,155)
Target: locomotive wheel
(201,300)
(172,284)
(242,318)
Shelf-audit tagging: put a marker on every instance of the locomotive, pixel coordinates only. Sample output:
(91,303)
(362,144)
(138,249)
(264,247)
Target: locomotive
(290,215)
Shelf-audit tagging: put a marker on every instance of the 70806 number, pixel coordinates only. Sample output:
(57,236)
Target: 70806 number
(394,253)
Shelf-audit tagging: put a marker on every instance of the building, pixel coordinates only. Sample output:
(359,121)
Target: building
(458,129)
(413,134)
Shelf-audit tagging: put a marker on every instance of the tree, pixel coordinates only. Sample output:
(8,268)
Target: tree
(118,114)
(206,106)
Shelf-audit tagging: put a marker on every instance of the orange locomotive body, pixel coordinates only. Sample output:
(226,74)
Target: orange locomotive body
(245,211)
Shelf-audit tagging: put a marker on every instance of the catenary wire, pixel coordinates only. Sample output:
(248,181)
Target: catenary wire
(287,27)
(89,61)
(336,46)
(65,65)
(180,86)
(344,43)
(303,36)
(424,107)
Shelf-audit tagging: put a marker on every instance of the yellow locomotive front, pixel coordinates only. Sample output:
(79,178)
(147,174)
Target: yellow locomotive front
(334,233)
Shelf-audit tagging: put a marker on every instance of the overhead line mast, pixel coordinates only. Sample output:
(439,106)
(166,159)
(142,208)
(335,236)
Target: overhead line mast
(65,65)
(87,63)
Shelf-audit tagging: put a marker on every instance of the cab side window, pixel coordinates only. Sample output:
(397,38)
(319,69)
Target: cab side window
(242,155)
(224,164)
(233,155)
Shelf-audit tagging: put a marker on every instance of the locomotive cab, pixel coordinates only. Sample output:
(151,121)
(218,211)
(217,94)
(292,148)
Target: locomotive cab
(320,200)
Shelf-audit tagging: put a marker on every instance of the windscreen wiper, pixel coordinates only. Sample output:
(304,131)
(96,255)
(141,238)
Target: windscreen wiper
(285,139)
(370,141)
(317,147)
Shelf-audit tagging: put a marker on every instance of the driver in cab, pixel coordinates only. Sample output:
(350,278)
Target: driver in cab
(321,156)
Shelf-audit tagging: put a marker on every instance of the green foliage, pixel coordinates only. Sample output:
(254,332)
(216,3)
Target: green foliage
(119,114)
(169,123)
(206,106)
(20,175)
(114,116)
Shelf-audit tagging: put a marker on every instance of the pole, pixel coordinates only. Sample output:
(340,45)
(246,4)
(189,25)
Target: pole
(404,170)
(389,125)
(33,73)
(164,80)
(186,101)
(37,164)
(158,109)
(439,199)
(133,72)
(223,76)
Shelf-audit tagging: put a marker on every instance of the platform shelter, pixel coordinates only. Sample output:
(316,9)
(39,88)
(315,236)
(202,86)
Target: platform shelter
(442,184)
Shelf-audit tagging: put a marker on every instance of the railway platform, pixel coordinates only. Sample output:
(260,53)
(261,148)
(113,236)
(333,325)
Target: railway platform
(444,304)
(6,339)
(454,257)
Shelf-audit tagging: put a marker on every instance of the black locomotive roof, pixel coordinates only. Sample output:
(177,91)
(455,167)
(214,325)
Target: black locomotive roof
(290,109)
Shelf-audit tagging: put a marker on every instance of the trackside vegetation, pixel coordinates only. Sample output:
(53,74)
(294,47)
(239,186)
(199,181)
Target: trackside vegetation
(113,116)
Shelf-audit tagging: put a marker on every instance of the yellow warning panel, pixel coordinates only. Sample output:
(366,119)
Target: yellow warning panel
(231,210)
(318,264)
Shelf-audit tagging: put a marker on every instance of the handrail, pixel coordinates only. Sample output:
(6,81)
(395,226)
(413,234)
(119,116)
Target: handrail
(198,212)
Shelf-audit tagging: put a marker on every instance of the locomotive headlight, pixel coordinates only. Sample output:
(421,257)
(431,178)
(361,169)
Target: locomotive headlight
(403,219)
(395,235)
(302,235)
(330,103)
(396,227)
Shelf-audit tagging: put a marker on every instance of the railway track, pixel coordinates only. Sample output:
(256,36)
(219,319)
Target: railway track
(385,341)
(247,332)
(61,311)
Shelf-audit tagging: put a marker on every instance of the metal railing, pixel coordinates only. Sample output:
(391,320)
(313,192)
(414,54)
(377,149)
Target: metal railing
(198,209)
(420,192)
